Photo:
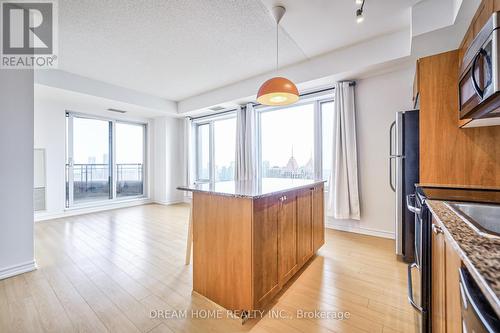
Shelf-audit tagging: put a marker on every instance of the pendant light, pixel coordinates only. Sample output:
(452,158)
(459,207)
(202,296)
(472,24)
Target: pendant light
(278,90)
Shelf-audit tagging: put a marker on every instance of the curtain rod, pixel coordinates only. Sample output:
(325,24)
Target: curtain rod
(351,84)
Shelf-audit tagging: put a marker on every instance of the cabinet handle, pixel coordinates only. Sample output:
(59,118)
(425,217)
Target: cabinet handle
(437,229)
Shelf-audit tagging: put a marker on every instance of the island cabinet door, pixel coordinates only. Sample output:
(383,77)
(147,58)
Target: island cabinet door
(318,218)
(287,237)
(304,224)
(265,249)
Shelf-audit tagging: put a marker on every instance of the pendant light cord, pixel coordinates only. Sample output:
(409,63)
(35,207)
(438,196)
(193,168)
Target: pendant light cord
(277,47)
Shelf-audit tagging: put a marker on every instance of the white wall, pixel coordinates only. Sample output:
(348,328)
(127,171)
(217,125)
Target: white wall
(378,98)
(50,134)
(16,172)
(168,152)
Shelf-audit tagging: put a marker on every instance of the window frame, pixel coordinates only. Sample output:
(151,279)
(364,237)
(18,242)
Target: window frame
(316,101)
(197,123)
(113,198)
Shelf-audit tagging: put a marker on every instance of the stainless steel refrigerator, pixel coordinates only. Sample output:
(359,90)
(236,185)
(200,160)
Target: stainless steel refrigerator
(403,175)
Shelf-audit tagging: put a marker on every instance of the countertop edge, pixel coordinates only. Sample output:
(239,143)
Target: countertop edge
(235,195)
(481,282)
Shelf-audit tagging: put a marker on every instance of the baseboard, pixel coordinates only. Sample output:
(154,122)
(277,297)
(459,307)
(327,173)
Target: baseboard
(17,269)
(42,216)
(358,230)
(167,203)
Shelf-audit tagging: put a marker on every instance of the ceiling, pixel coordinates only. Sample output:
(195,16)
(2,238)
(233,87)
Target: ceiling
(179,49)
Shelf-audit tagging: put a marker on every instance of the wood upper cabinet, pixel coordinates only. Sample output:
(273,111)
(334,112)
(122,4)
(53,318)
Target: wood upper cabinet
(265,248)
(482,15)
(438,280)
(287,237)
(304,224)
(469,36)
(445,299)
(450,155)
(318,223)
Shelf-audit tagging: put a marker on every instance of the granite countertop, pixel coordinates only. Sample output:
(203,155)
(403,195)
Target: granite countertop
(480,254)
(252,188)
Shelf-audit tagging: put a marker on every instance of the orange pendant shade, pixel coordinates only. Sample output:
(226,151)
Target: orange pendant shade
(278,91)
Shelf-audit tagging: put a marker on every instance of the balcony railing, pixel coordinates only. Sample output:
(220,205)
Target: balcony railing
(92,181)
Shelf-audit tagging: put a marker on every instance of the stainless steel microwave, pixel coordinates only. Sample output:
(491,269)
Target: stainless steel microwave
(479,84)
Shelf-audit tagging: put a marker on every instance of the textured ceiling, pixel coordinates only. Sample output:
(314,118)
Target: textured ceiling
(320,26)
(178,48)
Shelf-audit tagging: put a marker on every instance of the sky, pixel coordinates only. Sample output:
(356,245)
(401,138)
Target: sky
(287,129)
(91,138)
(225,137)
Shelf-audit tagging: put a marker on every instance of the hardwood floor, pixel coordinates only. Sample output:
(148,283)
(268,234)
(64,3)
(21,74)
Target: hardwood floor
(110,271)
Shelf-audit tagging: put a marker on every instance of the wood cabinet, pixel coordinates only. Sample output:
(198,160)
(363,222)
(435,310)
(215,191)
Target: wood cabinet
(445,297)
(265,249)
(304,225)
(246,249)
(452,282)
(450,155)
(438,273)
(482,15)
(288,230)
(318,223)
(287,237)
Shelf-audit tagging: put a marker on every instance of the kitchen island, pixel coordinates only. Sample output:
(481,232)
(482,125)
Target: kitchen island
(251,237)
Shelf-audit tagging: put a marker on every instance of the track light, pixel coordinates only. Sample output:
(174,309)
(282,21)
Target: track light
(359,16)
(359,12)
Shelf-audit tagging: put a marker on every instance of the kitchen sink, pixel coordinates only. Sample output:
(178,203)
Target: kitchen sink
(484,218)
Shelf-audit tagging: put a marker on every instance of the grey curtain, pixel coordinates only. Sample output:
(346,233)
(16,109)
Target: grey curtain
(246,150)
(343,192)
(188,151)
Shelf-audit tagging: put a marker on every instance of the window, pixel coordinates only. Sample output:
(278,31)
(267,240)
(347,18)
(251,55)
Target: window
(224,149)
(204,152)
(215,144)
(288,151)
(302,148)
(98,167)
(326,138)
(292,142)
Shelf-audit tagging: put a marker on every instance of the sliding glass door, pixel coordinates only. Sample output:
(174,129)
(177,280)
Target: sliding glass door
(89,160)
(104,160)
(129,159)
